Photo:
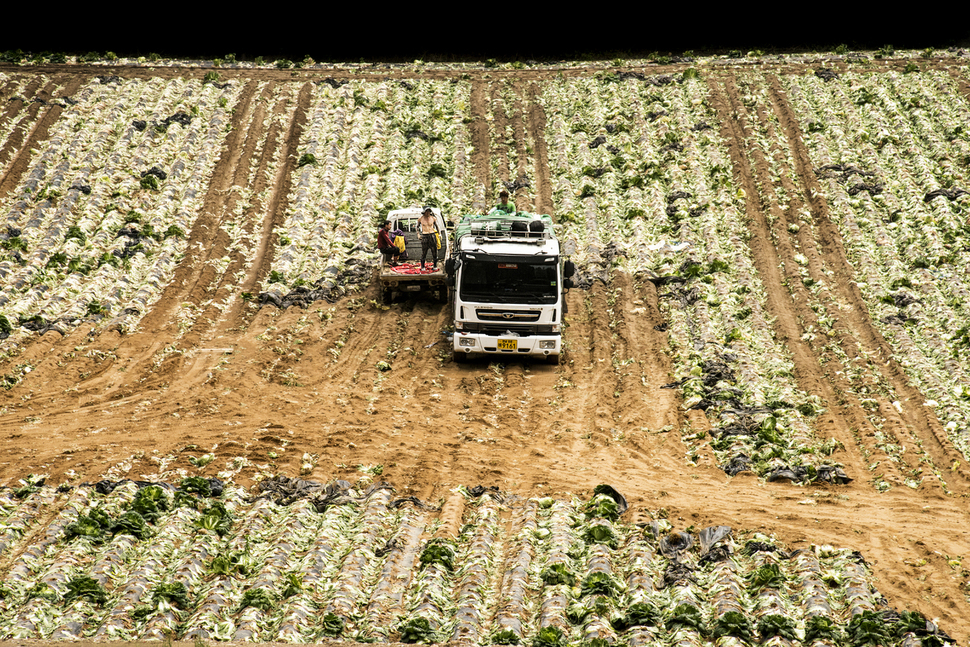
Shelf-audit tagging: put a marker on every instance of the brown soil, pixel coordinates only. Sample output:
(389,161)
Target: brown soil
(270,385)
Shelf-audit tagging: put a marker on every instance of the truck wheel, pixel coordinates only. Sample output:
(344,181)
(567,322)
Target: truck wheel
(459,357)
(386,295)
(552,359)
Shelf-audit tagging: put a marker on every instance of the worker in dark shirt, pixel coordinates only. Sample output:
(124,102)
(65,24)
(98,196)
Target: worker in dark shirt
(385,245)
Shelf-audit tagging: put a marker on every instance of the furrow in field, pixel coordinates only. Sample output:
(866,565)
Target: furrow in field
(277,201)
(478,127)
(523,196)
(920,423)
(536,121)
(33,130)
(17,113)
(250,218)
(840,420)
(833,342)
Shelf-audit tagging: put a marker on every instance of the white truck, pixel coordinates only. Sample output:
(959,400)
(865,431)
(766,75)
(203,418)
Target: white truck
(508,282)
(407,276)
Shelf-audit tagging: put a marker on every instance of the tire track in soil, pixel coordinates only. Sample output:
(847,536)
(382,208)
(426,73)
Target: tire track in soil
(642,402)
(385,408)
(852,328)
(261,216)
(923,424)
(13,145)
(209,322)
(542,188)
(619,392)
(206,227)
(590,362)
(478,132)
(22,142)
(789,315)
(264,217)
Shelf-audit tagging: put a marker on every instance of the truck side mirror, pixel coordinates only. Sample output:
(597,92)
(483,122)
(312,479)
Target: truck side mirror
(568,269)
(450,268)
(567,283)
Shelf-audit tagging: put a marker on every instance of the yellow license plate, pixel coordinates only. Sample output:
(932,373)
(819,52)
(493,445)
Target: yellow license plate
(508,344)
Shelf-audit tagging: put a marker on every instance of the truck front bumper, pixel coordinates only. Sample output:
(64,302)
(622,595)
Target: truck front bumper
(532,345)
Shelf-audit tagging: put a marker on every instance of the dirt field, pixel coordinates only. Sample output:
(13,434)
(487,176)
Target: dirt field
(272,385)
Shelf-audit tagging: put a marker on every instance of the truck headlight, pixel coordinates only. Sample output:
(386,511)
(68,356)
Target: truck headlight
(550,343)
(466,341)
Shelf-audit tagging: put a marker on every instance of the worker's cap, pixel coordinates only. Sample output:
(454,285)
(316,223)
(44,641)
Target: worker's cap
(427,210)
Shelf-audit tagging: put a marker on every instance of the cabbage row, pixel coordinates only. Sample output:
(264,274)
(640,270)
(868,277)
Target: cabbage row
(294,561)
(98,222)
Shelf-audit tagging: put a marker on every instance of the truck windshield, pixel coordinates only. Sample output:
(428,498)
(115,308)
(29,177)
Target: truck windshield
(505,281)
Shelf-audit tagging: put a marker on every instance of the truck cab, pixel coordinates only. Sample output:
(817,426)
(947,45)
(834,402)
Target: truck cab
(508,281)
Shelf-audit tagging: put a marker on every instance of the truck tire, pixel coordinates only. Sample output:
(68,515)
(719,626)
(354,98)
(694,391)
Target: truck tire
(552,359)
(387,294)
(459,357)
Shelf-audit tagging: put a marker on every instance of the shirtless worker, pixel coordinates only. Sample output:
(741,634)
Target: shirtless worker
(429,226)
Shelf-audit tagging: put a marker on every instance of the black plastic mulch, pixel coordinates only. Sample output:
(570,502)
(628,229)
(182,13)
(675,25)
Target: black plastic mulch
(752,547)
(677,573)
(738,464)
(801,474)
(673,544)
(156,171)
(328,288)
(826,74)
(284,490)
(871,189)
(520,182)
(710,536)
(678,195)
(949,194)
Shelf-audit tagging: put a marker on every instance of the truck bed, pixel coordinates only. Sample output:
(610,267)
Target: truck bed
(411,271)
